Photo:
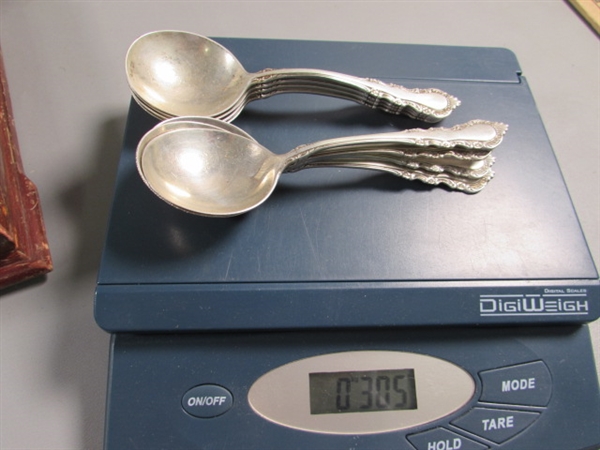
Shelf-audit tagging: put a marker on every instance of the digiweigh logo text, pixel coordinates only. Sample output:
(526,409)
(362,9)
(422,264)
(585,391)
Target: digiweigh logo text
(563,302)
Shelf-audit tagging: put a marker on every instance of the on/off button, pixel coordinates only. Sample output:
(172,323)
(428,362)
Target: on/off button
(207,400)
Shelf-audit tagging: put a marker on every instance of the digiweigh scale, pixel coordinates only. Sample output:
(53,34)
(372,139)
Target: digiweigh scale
(354,309)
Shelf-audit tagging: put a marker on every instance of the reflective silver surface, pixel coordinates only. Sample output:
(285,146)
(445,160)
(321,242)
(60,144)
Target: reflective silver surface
(205,168)
(176,73)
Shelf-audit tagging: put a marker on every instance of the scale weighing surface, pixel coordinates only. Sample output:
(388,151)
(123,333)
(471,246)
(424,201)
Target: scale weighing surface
(204,309)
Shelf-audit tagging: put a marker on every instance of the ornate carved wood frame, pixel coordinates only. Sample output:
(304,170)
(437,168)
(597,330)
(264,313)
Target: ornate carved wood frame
(24,251)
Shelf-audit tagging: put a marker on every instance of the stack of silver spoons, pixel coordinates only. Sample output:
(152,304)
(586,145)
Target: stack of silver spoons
(197,161)
(212,168)
(176,73)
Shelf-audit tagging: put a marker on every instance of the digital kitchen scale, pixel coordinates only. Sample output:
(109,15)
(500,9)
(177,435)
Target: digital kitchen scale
(315,320)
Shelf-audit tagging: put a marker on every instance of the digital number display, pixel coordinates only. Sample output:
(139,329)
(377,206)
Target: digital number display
(362,391)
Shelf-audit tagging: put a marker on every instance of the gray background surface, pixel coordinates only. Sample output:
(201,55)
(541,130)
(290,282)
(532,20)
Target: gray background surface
(65,68)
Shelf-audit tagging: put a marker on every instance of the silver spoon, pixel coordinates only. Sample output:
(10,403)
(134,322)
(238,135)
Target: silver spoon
(411,159)
(217,173)
(177,73)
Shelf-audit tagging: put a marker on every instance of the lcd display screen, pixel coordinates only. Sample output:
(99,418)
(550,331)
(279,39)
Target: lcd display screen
(362,391)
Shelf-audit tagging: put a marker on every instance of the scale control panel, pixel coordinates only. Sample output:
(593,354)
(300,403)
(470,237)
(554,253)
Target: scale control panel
(419,389)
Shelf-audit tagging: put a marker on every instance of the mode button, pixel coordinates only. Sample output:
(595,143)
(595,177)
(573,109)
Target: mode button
(527,384)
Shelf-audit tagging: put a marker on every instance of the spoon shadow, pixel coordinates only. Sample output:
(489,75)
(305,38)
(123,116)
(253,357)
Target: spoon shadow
(354,117)
(346,180)
(150,230)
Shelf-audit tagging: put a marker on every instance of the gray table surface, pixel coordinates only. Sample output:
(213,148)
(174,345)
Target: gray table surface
(64,63)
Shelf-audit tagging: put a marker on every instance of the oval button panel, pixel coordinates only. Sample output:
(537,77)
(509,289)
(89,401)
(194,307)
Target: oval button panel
(207,400)
(361,392)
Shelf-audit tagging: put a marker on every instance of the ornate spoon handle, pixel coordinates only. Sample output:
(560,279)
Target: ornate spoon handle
(429,105)
(459,182)
(472,140)
(474,169)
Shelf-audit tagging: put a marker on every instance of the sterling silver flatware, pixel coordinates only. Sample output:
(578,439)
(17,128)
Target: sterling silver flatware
(176,73)
(207,169)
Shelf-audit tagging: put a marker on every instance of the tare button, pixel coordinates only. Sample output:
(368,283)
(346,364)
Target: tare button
(496,425)
(207,400)
(527,384)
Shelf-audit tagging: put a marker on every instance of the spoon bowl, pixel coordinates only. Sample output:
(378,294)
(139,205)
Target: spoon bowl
(184,74)
(208,171)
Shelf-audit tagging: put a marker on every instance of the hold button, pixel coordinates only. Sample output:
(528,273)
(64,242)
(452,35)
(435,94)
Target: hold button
(207,400)
(527,384)
(442,439)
